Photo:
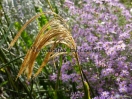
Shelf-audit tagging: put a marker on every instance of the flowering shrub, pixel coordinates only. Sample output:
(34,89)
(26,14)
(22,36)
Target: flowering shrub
(102,30)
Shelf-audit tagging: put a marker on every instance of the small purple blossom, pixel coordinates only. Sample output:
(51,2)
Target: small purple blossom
(65,77)
(77,95)
(105,94)
(53,77)
(66,67)
(108,71)
(123,89)
(124,73)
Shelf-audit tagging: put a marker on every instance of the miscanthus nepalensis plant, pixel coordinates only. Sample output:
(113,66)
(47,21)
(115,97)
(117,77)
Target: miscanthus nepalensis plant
(53,33)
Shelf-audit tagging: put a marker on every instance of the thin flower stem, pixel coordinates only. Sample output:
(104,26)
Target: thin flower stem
(82,73)
(50,5)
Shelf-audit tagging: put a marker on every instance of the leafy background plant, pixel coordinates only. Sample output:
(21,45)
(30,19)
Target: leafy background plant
(94,24)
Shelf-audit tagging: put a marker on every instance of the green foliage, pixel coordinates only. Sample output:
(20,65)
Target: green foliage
(127,3)
(25,37)
(43,19)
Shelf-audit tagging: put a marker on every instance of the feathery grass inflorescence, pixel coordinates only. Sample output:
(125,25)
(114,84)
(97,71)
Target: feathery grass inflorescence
(52,33)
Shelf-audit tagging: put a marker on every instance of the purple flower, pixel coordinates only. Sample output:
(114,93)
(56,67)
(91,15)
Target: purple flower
(28,83)
(100,90)
(65,77)
(53,77)
(77,95)
(75,77)
(118,79)
(94,78)
(91,38)
(122,84)
(120,46)
(123,89)
(108,71)
(124,73)
(124,35)
(105,94)
(65,67)
(68,3)
(130,88)
(96,97)
(111,97)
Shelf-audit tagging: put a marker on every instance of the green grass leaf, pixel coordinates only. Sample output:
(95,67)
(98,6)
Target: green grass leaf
(3,83)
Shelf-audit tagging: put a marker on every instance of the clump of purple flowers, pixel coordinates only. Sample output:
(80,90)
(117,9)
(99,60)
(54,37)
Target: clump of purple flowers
(104,26)
(77,95)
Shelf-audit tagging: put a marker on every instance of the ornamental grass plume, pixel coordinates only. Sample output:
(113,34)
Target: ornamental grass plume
(52,33)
